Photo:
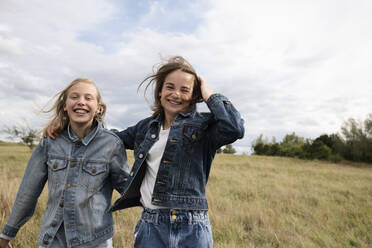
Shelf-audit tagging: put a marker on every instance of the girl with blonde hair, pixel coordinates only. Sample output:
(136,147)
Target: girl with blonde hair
(82,168)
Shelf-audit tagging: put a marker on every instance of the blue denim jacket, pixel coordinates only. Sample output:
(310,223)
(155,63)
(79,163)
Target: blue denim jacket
(81,175)
(184,168)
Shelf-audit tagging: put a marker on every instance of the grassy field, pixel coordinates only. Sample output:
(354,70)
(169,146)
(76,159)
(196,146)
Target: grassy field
(255,201)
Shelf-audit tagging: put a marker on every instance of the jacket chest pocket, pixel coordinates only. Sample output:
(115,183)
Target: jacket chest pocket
(191,134)
(93,175)
(56,171)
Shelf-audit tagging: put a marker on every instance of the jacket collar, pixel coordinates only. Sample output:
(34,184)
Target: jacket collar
(88,138)
(185,114)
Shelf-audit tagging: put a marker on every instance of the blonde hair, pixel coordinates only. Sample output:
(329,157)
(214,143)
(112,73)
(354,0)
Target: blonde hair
(60,118)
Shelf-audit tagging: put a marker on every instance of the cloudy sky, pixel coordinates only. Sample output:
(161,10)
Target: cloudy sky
(287,65)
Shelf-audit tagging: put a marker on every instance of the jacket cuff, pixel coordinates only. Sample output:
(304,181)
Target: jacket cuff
(10,232)
(216,98)
(3,236)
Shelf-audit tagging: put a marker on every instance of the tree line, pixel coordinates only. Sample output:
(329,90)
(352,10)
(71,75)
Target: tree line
(30,137)
(354,143)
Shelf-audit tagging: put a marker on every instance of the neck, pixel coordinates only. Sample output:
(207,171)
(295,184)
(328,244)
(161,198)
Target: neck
(81,130)
(168,121)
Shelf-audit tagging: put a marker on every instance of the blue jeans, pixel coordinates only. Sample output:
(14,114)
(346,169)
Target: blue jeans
(173,228)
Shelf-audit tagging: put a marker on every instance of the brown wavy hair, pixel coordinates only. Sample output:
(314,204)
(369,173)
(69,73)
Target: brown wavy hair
(60,118)
(158,77)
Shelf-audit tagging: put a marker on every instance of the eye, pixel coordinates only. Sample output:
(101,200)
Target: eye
(89,97)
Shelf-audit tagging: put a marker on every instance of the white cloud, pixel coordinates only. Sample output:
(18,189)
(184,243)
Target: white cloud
(287,65)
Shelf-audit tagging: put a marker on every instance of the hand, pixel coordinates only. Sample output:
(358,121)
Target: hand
(5,243)
(51,131)
(206,91)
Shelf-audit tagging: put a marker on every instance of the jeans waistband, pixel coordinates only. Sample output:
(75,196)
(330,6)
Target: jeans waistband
(174,215)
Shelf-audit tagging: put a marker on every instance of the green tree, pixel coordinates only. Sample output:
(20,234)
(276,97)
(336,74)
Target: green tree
(292,145)
(358,144)
(229,149)
(27,135)
(258,145)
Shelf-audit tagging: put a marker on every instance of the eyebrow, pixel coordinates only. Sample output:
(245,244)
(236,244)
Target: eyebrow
(172,84)
(77,93)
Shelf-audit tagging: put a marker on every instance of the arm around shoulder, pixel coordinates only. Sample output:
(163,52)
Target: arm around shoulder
(127,136)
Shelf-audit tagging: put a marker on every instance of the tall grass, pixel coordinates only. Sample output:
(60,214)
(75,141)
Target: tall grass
(254,201)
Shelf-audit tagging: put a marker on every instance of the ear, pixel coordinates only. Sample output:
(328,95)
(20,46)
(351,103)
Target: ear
(64,108)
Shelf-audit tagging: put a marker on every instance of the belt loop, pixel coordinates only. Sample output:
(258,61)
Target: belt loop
(190,217)
(156,218)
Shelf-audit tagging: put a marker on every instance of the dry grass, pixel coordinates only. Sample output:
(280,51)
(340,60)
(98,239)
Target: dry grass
(254,202)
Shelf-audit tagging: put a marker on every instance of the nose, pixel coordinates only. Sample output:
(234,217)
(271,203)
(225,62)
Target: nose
(81,101)
(176,93)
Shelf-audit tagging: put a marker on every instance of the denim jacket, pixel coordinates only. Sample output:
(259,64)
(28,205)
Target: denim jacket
(81,175)
(191,146)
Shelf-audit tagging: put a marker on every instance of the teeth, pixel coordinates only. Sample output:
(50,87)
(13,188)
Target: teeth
(81,111)
(174,102)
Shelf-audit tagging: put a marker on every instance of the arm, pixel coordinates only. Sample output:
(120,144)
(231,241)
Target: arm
(33,182)
(128,136)
(227,125)
(119,167)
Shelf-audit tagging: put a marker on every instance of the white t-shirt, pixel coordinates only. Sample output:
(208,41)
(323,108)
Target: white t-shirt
(153,162)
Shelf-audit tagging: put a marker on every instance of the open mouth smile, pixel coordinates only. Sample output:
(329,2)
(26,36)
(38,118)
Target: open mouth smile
(174,102)
(80,111)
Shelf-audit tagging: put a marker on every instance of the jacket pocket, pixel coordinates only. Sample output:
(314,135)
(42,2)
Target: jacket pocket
(56,171)
(93,175)
(191,134)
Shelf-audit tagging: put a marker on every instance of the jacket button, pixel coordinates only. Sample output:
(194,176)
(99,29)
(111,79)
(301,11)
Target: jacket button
(153,136)
(45,242)
(61,204)
(68,186)
(72,165)
(174,212)
(94,170)
(53,224)
(55,166)
(193,136)
(140,155)
(174,217)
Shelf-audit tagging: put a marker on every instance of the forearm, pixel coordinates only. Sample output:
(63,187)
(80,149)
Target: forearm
(29,191)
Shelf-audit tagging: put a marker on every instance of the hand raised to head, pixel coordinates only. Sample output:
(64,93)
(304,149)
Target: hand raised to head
(206,91)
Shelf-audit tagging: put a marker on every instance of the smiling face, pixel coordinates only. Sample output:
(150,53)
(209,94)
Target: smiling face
(81,105)
(176,93)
